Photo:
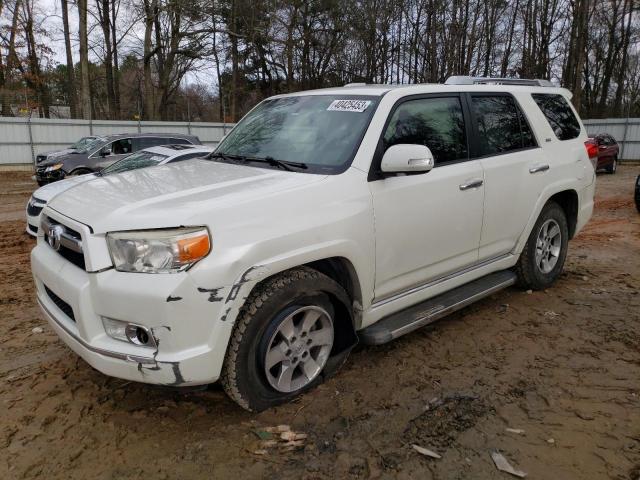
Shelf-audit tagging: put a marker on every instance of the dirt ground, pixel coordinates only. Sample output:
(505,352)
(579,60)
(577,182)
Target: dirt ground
(561,365)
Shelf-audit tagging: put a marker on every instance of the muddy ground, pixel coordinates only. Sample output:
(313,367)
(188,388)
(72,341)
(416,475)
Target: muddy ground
(562,365)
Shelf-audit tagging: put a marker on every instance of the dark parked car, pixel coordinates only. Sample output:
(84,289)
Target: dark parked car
(637,196)
(608,151)
(104,151)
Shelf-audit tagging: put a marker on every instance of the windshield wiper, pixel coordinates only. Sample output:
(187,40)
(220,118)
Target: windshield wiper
(225,157)
(283,164)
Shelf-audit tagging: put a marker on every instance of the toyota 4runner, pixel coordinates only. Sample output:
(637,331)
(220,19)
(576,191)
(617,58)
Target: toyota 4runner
(324,218)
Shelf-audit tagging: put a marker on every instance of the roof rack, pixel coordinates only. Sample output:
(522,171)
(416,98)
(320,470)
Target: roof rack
(464,80)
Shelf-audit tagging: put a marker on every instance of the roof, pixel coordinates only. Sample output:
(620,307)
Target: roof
(115,136)
(382,89)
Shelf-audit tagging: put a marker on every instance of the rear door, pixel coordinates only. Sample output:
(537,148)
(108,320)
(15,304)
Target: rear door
(515,169)
(427,225)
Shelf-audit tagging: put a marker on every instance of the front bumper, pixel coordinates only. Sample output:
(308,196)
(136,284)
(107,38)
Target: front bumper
(191,331)
(43,177)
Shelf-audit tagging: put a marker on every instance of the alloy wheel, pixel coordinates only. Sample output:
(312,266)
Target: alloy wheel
(548,246)
(299,349)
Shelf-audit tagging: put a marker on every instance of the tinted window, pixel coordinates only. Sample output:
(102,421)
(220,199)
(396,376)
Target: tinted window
(559,115)
(501,125)
(121,147)
(147,142)
(437,123)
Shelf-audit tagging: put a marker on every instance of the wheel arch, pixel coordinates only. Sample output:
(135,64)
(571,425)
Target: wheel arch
(568,199)
(80,167)
(348,305)
(569,202)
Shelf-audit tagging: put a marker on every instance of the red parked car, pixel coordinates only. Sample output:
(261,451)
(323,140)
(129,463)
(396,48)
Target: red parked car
(608,150)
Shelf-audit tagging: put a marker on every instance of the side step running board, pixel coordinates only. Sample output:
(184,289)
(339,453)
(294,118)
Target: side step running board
(412,318)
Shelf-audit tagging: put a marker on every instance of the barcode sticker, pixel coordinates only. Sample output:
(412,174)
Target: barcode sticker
(349,105)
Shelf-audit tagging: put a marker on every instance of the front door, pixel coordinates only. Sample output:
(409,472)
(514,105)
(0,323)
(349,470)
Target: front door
(427,225)
(118,149)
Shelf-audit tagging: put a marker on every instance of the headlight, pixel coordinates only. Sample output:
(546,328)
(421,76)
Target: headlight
(158,251)
(53,168)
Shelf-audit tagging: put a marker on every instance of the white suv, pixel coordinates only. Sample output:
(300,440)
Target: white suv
(323,218)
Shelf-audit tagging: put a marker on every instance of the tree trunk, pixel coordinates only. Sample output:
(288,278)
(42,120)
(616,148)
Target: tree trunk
(85,94)
(116,65)
(150,6)
(71,84)
(105,23)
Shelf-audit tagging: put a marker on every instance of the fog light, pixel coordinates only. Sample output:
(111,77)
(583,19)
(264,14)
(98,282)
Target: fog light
(128,332)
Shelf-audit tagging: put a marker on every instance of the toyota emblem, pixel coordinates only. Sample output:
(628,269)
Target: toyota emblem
(53,236)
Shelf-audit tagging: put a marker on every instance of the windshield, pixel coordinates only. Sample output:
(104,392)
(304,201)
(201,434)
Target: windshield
(81,143)
(136,160)
(92,145)
(321,131)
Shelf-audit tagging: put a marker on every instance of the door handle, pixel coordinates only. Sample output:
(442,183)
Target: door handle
(471,184)
(539,168)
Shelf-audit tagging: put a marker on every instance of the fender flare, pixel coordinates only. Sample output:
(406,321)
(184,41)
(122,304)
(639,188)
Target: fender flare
(544,197)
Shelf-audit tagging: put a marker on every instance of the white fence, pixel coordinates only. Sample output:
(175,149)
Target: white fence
(21,139)
(625,130)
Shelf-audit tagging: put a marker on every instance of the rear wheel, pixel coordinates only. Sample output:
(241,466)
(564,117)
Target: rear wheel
(282,341)
(614,166)
(541,262)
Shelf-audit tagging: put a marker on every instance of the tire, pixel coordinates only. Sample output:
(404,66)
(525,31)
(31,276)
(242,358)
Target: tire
(613,167)
(532,270)
(272,308)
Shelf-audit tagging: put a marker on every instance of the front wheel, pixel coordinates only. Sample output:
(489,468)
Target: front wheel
(80,171)
(541,262)
(613,167)
(282,340)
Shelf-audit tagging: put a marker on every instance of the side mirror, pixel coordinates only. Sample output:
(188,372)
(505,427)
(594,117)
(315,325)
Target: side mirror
(105,152)
(407,158)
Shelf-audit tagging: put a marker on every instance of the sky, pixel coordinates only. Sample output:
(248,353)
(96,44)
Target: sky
(52,23)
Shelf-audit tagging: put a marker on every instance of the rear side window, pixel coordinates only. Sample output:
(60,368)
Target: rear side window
(437,123)
(561,118)
(501,125)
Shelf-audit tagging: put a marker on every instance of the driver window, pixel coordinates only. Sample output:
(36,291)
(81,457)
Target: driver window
(437,123)
(121,147)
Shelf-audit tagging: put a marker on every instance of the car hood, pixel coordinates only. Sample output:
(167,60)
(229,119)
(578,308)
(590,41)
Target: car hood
(171,195)
(62,157)
(50,190)
(56,153)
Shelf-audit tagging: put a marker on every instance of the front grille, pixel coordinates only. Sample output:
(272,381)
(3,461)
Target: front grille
(61,304)
(77,258)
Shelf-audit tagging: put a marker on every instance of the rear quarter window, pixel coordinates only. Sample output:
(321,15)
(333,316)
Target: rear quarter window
(559,114)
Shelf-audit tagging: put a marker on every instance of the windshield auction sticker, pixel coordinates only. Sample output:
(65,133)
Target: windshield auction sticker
(349,105)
